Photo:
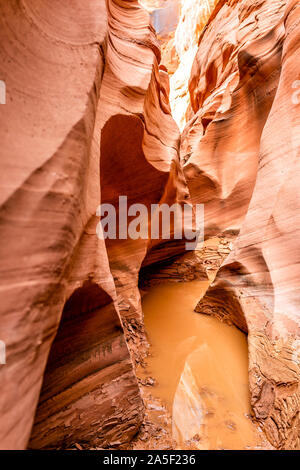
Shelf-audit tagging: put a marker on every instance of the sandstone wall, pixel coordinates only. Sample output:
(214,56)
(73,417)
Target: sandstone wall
(194,15)
(232,87)
(255,103)
(87,119)
(139,150)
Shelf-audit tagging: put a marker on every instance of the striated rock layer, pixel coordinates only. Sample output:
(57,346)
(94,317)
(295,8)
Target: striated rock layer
(194,15)
(139,152)
(51,258)
(179,43)
(87,119)
(232,87)
(251,120)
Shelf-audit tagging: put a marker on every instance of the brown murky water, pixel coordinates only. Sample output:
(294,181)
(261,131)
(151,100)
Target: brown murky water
(201,369)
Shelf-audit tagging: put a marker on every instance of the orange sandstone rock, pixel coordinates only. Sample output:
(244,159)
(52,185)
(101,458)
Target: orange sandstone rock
(52,62)
(232,87)
(87,118)
(257,287)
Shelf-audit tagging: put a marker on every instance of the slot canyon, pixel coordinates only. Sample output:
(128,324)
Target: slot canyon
(140,343)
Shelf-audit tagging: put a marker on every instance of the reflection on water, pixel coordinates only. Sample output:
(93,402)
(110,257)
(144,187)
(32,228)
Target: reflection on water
(201,367)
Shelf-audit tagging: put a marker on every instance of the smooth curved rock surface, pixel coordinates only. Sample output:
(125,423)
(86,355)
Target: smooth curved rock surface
(52,63)
(137,132)
(76,75)
(257,287)
(87,119)
(89,106)
(194,15)
(232,87)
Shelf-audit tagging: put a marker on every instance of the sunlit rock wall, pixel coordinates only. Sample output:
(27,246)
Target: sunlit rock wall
(194,15)
(52,62)
(164,16)
(87,119)
(232,86)
(139,150)
(178,24)
(254,111)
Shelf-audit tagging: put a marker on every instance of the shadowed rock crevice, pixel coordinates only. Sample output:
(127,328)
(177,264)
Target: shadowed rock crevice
(87,394)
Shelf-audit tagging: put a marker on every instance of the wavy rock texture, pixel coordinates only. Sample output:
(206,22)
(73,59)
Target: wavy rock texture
(194,15)
(232,86)
(88,120)
(89,107)
(178,24)
(202,263)
(257,287)
(137,132)
(52,64)
(164,16)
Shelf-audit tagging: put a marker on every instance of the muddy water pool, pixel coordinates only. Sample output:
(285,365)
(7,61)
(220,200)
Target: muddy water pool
(200,366)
